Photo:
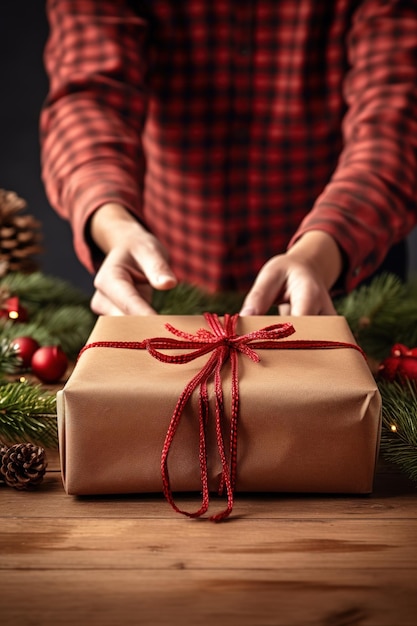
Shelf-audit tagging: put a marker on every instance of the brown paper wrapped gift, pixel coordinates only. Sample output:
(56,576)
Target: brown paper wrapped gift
(309,419)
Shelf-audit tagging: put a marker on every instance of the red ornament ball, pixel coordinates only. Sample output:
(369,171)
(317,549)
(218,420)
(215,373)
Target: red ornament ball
(49,363)
(400,364)
(408,367)
(25,348)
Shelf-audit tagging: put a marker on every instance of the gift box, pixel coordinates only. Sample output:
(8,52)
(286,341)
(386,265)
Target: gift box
(289,405)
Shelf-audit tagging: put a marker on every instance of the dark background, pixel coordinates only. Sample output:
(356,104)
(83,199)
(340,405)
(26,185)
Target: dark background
(23,84)
(23,31)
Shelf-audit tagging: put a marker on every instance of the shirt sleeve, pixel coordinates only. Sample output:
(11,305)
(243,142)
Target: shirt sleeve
(92,119)
(370,202)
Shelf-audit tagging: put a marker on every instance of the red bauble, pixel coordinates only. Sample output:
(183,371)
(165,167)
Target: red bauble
(25,348)
(389,368)
(400,364)
(49,363)
(408,367)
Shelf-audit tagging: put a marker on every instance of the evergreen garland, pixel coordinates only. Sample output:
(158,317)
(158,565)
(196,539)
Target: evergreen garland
(9,361)
(380,315)
(399,424)
(27,413)
(67,326)
(38,289)
(188,300)
(58,314)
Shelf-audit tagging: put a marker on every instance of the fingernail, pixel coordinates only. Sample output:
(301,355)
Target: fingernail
(247,310)
(165,279)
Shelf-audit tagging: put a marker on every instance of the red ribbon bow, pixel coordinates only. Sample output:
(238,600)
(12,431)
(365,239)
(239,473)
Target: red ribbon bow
(223,343)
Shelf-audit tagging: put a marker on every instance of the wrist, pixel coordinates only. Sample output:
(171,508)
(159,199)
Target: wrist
(110,224)
(321,252)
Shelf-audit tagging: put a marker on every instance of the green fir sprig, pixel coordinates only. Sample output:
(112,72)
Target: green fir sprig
(27,413)
(399,424)
(9,360)
(67,326)
(38,289)
(190,300)
(58,313)
(381,314)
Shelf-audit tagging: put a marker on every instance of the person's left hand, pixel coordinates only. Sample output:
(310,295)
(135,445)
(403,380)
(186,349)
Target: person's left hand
(299,280)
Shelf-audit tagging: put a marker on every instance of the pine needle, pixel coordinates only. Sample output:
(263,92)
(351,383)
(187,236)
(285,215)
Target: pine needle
(189,300)
(40,289)
(9,361)
(27,413)
(381,314)
(53,319)
(399,424)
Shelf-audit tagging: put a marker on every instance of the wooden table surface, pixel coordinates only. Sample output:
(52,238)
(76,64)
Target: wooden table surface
(281,560)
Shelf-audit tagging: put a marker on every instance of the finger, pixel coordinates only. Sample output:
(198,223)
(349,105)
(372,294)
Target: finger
(121,287)
(310,300)
(264,292)
(102,305)
(304,302)
(284,309)
(155,266)
(117,291)
(124,299)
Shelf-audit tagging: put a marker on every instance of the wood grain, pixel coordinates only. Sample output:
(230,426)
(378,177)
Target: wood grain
(183,544)
(282,560)
(337,597)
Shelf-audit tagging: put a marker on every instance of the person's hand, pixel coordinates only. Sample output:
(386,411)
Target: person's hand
(299,280)
(135,262)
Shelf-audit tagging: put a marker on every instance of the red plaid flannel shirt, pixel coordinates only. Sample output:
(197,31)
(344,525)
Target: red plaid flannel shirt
(230,128)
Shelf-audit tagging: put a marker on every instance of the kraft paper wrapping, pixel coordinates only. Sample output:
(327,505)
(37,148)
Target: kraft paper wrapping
(309,419)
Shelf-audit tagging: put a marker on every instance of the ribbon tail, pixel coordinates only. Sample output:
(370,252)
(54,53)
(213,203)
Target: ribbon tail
(234,418)
(203,419)
(225,482)
(199,379)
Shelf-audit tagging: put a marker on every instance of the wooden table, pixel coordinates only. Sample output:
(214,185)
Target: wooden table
(281,560)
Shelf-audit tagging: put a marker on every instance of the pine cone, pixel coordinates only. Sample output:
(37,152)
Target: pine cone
(20,235)
(22,465)
(3,450)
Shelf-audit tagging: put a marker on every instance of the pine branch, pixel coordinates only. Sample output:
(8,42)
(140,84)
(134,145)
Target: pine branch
(58,313)
(9,361)
(399,424)
(186,299)
(37,289)
(381,314)
(27,413)
(68,326)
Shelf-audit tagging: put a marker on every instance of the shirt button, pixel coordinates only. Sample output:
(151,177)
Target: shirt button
(357,271)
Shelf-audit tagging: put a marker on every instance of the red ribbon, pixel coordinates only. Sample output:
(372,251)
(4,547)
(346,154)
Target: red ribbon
(223,343)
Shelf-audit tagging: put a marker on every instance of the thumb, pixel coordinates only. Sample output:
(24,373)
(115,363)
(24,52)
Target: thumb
(263,294)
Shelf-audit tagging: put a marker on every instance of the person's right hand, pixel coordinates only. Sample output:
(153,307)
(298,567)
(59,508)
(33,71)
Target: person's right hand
(135,262)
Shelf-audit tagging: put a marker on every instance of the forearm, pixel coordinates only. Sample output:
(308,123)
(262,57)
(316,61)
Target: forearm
(93,117)
(370,202)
